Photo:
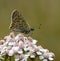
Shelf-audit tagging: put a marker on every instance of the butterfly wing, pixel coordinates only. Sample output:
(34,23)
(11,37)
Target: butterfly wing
(18,23)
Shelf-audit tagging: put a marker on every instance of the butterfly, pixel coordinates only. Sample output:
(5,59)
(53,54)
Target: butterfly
(18,23)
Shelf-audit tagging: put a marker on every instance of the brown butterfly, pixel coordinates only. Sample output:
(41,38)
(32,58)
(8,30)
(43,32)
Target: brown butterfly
(18,23)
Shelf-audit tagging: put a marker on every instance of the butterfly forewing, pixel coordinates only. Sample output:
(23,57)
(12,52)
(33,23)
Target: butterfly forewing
(18,23)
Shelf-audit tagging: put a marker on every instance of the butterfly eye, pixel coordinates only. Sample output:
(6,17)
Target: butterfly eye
(32,29)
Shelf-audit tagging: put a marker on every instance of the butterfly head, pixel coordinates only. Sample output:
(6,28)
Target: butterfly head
(32,29)
(29,31)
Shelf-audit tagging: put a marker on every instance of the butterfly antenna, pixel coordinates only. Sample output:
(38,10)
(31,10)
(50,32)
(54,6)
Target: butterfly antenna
(40,26)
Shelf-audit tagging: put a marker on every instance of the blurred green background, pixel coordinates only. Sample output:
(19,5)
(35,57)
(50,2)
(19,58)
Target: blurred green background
(36,12)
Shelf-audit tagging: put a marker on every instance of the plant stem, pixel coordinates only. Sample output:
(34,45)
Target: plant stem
(10,58)
(6,56)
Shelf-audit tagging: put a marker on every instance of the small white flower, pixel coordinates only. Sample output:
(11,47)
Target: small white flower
(11,43)
(20,51)
(7,38)
(30,39)
(5,44)
(16,59)
(16,38)
(12,35)
(11,52)
(45,60)
(21,43)
(26,55)
(2,42)
(39,53)
(16,48)
(47,56)
(26,49)
(25,39)
(3,51)
(19,37)
(50,58)
(32,56)
(25,59)
(1,47)
(44,50)
(34,41)
(51,55)
(41,57)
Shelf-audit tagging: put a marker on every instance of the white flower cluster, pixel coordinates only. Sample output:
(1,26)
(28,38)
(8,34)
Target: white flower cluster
(22,48)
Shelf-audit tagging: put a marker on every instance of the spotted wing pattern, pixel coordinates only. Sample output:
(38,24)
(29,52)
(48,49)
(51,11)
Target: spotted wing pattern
(18,23)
